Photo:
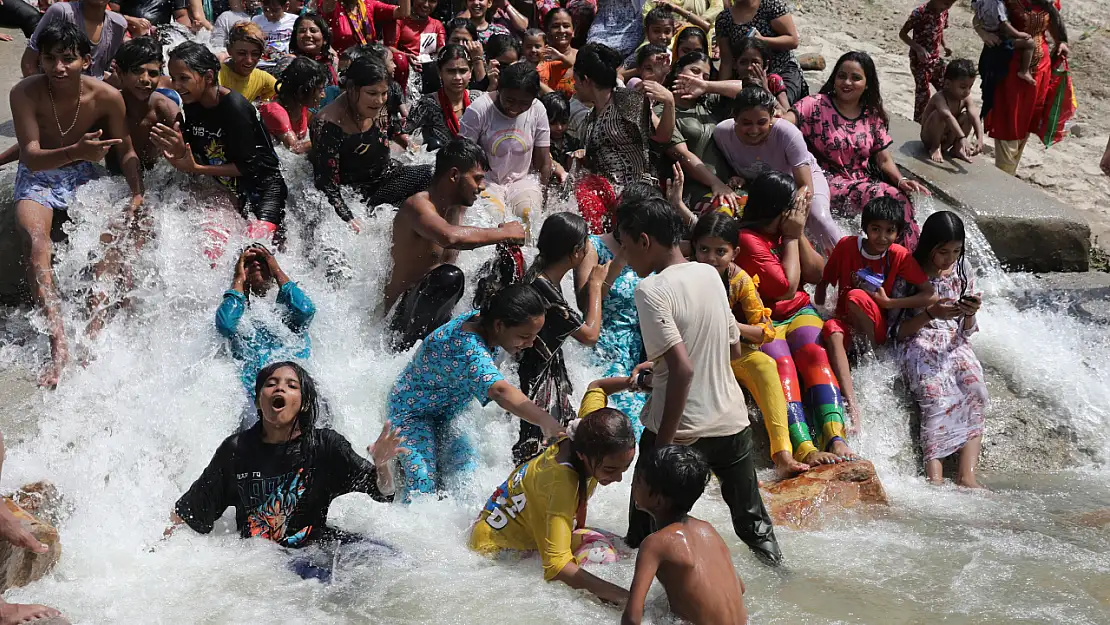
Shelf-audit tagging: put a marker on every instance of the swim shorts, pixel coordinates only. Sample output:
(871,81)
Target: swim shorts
(53,188)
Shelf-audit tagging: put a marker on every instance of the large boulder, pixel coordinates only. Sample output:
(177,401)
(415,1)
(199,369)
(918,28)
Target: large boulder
(801,502)
(19,567)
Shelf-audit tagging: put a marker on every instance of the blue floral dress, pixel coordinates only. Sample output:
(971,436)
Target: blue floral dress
(450,367)
(619,346)
(619,24)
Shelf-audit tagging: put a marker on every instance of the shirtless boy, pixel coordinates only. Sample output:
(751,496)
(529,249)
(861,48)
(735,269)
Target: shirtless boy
(686,554)
(950,115)
(139,68)
(64,122)
(427,238)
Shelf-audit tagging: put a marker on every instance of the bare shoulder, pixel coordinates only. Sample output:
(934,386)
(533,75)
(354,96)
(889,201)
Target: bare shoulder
(415,205)
(101,91)
(667,544)
(163,106)
(31,86)
(330,113)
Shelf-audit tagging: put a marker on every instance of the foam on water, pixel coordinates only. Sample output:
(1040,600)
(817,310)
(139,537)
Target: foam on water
(125,436)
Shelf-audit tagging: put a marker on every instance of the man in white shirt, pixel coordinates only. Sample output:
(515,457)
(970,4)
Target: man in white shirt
(691,335)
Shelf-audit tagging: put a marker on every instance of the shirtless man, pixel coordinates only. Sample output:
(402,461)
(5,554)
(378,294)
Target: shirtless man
(687,554)
(56,159)
(427,238)
(138,65)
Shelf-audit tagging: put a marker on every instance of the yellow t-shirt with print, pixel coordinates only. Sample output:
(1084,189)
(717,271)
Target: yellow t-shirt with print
(533,510)
(259,86)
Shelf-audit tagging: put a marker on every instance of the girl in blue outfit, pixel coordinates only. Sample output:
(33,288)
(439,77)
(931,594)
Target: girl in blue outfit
(454,364)
(258,345)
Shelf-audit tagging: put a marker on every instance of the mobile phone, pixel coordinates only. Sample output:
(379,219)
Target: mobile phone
(642,378)
(973,299)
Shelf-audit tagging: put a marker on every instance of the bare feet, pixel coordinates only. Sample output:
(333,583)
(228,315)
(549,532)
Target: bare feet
(818,458)
(1027,77)
(968,481)
(786,465)
(12,613)
(842,449)
(936,155)
(960,151)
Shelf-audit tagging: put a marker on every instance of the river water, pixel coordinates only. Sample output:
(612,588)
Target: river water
(123,437)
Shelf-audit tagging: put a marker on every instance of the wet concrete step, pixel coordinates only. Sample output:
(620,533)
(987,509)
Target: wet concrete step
(1028,229)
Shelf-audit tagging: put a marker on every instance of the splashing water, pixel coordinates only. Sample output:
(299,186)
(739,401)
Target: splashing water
(123,437)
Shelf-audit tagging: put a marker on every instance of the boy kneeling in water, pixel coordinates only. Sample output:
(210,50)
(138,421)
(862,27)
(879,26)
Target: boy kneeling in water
(686,554)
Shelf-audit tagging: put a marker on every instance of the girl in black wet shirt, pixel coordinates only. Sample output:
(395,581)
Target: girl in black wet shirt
(282,474)
(350,144)
(219,134)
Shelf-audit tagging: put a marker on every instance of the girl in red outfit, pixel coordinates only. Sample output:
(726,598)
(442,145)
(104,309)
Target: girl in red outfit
(354,22)
(300,88)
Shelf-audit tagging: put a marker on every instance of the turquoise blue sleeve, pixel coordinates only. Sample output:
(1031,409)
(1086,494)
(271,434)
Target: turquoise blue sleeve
(230,312)
(481,372)
(300,308)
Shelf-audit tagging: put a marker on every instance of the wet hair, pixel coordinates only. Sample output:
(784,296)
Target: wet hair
(750,43)
(64,36)
(372,50)
(562,234)
(960,69)
(134,53)
(770,194)
(598,62)
(647,51)
(753,97)
(688,59)
(461,154)
(602,433)
(322,24)
(461,23)
(534,32)
(639,191)
(500,44)
(301,80)
(558,107)
(365,71)
(884,208)
(547,19)
(248,32)
(452,52)
(520,76)
(872,98)
(692,32)
(677,473)
(654,217)
(719,225)
(513,306)
(198,58)
(310,403)
(658,15)
(940,228)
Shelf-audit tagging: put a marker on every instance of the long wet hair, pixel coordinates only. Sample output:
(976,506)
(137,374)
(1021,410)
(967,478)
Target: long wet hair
(364,72)
(301,81)
(310,403)
(753,97)
(940,228)
(198,58)
(603,432)
(513,306)
(562,234)
(770,194)
(322,24)
(872,98)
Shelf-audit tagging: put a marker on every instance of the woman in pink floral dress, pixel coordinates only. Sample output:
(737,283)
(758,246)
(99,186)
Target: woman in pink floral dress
(845,127)
(941,369)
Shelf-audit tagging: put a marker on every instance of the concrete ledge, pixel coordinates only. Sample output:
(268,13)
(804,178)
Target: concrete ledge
(1028,229)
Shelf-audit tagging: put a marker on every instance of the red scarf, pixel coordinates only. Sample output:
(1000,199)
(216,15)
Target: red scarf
(449,115)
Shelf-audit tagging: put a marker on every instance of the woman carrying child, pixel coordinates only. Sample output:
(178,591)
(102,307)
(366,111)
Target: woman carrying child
(563,244)
(714,240)
(559,55)
(350,144)
(300,89)
(436,116)
(774,251)
(768,21)
(934,346)
(453,365)
(245,44)
(542,505)
(845,127)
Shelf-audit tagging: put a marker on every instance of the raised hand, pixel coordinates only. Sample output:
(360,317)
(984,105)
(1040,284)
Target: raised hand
(513,231)
(690,86)
(388,446)
(92,148)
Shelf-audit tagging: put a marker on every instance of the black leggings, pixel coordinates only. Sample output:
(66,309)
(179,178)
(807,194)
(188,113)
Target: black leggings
(19,14)
(795,81)
(427,306)
(403,183)
(730,459)
(266,200)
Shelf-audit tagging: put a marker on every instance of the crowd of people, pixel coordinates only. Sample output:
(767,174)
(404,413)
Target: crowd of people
(707,183)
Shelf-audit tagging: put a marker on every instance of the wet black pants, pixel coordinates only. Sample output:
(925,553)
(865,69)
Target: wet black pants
(730,459)
(427,306)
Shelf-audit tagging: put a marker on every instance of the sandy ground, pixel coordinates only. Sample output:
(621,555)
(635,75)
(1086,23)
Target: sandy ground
(1068,170)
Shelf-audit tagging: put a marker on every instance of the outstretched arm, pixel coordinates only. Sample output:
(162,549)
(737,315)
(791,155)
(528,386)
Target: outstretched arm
(647,564)
(430,225)
(578,578)
(512,399)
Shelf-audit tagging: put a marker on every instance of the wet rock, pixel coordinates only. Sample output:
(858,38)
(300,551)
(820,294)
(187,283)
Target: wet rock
(19,567)
(41,499)
(801,502)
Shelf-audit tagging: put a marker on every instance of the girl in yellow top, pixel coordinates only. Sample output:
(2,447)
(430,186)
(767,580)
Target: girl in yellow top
(714,240)
(240,73)
(542,506)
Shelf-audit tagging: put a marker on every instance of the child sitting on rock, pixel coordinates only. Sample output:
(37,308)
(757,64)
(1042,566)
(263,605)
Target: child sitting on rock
(951,115)
(686,554)
(934,347)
